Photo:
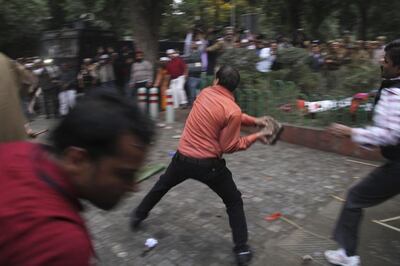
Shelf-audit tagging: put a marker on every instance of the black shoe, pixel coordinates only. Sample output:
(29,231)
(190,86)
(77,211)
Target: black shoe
(243,258)
(135,221)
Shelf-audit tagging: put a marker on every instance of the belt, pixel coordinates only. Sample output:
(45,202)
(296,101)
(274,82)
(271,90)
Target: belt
(201,162)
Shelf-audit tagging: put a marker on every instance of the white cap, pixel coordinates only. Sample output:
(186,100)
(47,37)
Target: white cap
(244,41)
(198,42)
(170,51)
(48,61)
(164,59)
(104,56)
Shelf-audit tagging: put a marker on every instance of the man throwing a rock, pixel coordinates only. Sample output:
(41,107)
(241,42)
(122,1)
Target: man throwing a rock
(212,129)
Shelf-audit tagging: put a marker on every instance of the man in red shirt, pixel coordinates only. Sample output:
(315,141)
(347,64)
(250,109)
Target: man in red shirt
(94,154)
(178,72)
(212,129)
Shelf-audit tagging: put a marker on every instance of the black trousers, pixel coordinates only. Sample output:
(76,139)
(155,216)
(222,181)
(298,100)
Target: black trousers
(51,103)
(216,176)
(380,185)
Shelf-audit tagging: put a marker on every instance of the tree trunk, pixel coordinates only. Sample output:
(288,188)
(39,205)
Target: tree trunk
(319,10)
(57,14)
(146,22)
(363,7)
(216,14)
(294,10)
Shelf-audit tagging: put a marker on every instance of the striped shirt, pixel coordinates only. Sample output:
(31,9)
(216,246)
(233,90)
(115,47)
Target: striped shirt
(213,126)
(385,130)
(141,72)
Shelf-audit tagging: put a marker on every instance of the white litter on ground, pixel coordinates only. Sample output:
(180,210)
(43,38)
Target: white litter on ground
(151,242)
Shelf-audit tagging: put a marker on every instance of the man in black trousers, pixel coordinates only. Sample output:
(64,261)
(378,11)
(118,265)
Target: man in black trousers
(212,129)
(384,182)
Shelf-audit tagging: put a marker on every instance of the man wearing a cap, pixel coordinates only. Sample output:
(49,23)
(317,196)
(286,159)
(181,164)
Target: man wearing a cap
(141,74)
(106,72)
(87,76)
(216,47)
(177,70)
(228,42)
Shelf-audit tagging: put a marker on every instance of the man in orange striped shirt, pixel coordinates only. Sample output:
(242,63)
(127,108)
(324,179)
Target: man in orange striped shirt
(212,129)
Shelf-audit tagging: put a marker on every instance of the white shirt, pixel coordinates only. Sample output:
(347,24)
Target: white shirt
(385,130)
(267,59)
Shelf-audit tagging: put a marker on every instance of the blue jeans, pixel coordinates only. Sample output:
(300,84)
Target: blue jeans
(193,84)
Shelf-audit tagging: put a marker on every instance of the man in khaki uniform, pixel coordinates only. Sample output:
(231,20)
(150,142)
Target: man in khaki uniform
(228,42)
(359,53)
(12,119)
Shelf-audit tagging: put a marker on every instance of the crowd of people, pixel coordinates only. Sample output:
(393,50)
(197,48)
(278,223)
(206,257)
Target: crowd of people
(123,73)
(99,145)
(183,73)
(328,55)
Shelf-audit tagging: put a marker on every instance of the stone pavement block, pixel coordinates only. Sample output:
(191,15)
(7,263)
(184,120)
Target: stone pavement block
(332,209)
(186,262)
(272,255)
(165,262)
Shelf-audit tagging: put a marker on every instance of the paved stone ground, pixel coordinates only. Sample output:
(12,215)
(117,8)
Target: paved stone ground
(191,225)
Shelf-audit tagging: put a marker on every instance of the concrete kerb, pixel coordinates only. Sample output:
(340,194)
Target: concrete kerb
(320,139)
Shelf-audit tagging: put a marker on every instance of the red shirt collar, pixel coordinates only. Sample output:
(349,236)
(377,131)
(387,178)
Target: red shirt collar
(51,170)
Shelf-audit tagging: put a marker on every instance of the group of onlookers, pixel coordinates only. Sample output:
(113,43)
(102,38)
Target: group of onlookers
(339,52)
(127,71)
(123,72)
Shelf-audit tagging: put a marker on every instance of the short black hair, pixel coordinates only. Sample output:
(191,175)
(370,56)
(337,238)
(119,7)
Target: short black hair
(97,122)
(228,77)
(392,50)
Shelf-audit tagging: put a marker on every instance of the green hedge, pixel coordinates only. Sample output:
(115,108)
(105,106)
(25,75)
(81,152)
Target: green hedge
(269,93)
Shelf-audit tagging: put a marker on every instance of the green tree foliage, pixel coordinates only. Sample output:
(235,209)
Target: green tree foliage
(294,67)
(348,80)
(321,19)
(325,20)
(276,93)
(245,61)
(21,22)
(110,14)
(178,18)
